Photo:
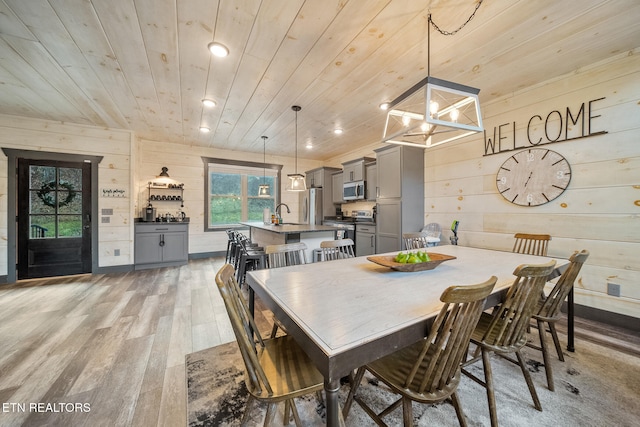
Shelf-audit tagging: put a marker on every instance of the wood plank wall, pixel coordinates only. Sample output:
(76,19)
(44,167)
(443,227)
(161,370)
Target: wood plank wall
(186,166)
(114,172)
(600,211)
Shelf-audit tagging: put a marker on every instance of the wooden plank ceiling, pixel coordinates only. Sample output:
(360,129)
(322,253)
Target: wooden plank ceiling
(143,65)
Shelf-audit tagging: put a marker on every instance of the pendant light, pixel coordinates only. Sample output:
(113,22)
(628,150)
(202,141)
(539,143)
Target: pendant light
(263,189)
(297,180)
(433,111)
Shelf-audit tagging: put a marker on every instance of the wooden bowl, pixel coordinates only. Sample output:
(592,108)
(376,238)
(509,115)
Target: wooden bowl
(389,261)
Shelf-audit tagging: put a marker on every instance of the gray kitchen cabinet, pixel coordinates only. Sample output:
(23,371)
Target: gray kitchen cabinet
(371,181)
(354,170)
(400,201)
(336,184)
(317,178)
(365,239)
(161,244)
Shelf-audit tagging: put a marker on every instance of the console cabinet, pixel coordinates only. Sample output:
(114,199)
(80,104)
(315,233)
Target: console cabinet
(161,244)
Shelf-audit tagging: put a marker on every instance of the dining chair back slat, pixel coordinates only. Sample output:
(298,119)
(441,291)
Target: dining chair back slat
(429,370)
(504,330)
(286,254)
(337,249)
(547,312)
(415,240)
(532,244)
(277,369)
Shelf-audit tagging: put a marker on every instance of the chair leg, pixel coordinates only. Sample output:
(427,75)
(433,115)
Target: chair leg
(294,411)
(407,412)
(287,416)
(545,354)
(527,377)
(458,407)
(488,379)
(556,341)
(247,410)
(271,414)
(355,383)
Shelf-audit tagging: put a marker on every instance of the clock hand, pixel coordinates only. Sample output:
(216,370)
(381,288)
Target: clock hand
(531,173)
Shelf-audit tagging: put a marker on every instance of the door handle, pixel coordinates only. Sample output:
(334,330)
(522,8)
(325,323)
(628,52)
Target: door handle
(88,222)
(162,240)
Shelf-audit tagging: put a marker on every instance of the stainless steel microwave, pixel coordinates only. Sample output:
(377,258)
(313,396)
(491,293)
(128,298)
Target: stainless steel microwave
(353,190)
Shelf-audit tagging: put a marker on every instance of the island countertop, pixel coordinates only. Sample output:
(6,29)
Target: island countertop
(289,228)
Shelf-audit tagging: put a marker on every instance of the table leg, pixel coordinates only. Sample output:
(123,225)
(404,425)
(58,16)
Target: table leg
(570,346)
(334,414)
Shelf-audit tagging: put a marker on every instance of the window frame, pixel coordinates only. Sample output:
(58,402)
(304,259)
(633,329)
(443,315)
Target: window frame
(228,162)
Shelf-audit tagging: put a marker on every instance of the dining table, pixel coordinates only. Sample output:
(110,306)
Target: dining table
(349,312)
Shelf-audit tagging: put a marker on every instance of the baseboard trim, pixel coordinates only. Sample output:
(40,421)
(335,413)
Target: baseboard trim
(203,255)
(115,269)
(4,280)
(606,317)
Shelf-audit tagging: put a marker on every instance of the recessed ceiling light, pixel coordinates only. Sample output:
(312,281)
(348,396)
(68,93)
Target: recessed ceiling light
(218,49)
(384,106)
(338,131)
(204,129)
(309,145)
(209,103)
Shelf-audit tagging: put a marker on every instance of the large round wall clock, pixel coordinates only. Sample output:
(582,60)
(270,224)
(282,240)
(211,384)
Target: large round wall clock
(533,177)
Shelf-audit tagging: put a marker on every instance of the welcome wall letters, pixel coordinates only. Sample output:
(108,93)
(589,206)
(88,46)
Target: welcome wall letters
(555,127)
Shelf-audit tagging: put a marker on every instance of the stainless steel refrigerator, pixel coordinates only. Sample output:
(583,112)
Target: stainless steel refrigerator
(310,207)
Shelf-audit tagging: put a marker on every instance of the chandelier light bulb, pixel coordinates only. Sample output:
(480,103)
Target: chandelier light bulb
(454,114)
(406,120)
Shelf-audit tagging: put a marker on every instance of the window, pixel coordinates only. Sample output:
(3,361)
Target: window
(232,191)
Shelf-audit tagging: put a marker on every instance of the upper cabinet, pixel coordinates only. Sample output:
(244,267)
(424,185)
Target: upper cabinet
(371,179)
(354,170)
(320,177)
(337,183)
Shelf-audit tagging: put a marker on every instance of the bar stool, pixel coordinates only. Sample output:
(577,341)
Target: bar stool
(251,258)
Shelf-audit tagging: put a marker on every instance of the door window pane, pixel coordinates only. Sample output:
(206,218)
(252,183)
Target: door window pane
(69,225)
(37,206)
(42,226)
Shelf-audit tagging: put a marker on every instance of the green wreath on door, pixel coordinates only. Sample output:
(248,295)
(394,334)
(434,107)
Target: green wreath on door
(47,193)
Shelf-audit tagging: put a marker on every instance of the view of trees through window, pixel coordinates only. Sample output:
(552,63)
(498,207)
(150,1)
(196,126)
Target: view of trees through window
(233,197)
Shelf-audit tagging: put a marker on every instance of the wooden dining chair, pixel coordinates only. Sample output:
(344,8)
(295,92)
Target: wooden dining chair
(282,256)
(429,370)
(337,249)
(286,254)
(415,240)
(504,330)
(547,312)
(532,244)
(277,370)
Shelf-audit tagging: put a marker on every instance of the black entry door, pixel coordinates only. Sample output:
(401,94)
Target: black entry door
(54,218)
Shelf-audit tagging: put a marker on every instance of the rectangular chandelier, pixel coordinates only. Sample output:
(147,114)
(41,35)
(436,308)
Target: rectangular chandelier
(433,112)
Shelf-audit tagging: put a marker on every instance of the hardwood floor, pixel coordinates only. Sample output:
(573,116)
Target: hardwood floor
(116,343)
(112,347)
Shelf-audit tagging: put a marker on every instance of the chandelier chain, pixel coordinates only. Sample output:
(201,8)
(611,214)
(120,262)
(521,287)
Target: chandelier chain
(451,33)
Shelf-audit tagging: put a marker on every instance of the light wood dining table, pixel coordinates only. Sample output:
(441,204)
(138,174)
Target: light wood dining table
(347,313)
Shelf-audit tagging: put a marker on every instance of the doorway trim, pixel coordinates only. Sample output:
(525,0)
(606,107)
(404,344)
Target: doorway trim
(12,183)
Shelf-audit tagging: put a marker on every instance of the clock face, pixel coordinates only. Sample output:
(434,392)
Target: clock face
(533,177)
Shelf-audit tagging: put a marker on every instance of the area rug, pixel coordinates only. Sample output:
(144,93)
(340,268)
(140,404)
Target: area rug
(595,386)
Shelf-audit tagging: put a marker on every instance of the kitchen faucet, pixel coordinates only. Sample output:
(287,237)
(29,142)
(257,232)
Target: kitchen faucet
(279,206)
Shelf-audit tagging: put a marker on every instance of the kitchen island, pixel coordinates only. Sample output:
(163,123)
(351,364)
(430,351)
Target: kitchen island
(309,234)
